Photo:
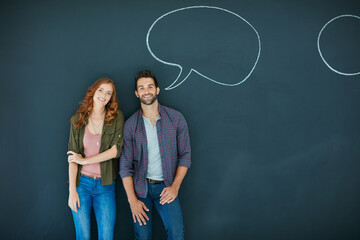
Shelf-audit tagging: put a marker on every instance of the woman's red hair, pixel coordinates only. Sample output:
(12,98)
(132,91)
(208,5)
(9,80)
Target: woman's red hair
(87,104)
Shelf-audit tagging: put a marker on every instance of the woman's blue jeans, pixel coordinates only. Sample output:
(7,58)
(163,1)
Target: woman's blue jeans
(102,200)
(170,214)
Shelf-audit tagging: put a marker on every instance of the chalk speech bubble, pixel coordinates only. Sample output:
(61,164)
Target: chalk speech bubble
(183,75)
(319,49)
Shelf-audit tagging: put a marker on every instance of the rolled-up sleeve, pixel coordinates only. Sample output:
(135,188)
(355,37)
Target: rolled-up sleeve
(126,159)
(118,139)
(73,139)
(183,141)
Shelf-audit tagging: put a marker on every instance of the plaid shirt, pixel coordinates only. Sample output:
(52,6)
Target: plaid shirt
(174,144)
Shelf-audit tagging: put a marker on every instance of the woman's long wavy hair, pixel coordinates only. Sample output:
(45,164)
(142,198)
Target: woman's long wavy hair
(87,104)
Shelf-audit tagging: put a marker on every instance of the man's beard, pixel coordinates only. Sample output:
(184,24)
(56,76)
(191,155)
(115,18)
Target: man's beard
(148,101)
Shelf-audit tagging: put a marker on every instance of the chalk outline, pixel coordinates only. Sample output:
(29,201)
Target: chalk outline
(318,44)
(193,70)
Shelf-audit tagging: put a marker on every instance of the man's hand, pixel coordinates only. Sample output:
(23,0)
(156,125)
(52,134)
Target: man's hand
(168,194)
(137,208)
(76,158)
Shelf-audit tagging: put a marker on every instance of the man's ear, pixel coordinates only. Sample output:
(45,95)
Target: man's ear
(136,94)
(158,90)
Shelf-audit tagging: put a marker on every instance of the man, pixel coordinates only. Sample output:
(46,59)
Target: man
(155,158)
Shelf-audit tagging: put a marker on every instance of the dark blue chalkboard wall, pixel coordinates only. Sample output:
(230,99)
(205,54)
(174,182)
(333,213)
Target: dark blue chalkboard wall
(272,102)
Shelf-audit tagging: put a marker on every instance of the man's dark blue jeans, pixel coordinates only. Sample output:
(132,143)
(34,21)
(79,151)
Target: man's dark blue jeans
(170,214)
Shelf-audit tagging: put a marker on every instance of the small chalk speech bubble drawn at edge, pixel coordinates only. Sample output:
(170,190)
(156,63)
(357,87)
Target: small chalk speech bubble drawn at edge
(318,44)
(175,83)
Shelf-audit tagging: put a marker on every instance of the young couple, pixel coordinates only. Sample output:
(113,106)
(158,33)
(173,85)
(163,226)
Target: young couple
(155,154)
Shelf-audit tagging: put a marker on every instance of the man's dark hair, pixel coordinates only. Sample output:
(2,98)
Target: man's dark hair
(145,74)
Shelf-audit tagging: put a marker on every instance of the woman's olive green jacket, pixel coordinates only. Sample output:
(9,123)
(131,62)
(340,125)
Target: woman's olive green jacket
(112,134)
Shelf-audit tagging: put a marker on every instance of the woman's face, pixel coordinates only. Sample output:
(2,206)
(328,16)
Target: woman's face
(103,94)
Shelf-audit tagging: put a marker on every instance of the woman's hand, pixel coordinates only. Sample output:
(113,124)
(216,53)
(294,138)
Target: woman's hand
(76,158)
(74,201)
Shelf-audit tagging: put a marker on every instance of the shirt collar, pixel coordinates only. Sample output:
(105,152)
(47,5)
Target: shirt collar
(161,110)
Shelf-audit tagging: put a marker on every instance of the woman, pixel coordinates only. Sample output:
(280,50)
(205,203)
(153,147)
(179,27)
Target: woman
(94,147)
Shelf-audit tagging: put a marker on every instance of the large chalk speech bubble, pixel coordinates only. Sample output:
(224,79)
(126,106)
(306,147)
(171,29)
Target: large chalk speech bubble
(194,17)
(319,48)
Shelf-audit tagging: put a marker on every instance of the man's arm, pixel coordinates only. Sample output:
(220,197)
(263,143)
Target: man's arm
(183,143)
(170,193)
(137,207)
(126,172)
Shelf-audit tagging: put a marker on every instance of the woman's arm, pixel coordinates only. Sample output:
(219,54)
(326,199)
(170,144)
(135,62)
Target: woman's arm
(101,157)
(74,200)
(73,145)
(114,152)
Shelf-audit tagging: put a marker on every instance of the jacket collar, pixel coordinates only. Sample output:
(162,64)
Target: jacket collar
(107,129)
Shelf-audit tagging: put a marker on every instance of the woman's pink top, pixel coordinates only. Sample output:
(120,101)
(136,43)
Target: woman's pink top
(92,144)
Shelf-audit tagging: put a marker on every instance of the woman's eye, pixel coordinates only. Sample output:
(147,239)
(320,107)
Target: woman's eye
(109,94)
(100,90)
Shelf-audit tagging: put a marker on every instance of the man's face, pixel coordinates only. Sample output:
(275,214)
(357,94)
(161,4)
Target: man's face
(146,91)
